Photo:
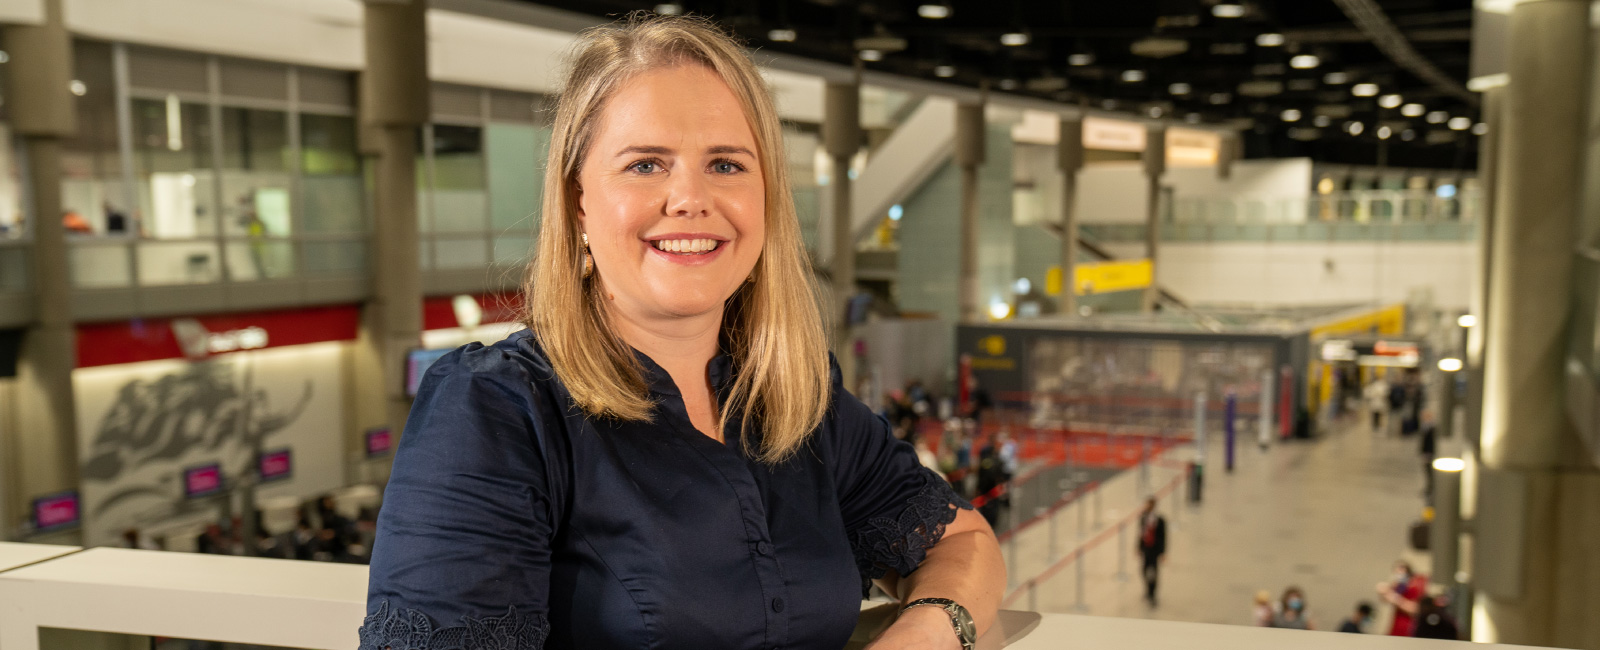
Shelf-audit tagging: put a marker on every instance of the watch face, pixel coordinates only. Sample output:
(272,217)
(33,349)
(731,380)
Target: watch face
(964,625)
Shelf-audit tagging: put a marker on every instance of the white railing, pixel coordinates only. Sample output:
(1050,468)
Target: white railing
(1354,206)
(317,605)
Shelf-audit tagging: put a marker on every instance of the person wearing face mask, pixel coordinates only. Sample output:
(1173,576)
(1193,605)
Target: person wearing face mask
(1292,613)
(1403,590)
(667,456)
(1358,622)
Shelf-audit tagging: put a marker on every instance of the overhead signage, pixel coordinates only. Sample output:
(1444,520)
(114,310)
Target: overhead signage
(1192,148)
(1338,350)
(200,337)
(1106,277)
(1113,135)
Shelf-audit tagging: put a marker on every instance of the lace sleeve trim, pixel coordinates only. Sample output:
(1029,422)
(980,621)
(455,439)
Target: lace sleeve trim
(901,543)
(409,629)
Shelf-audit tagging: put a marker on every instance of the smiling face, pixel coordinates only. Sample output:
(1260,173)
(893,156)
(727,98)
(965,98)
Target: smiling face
(671,195)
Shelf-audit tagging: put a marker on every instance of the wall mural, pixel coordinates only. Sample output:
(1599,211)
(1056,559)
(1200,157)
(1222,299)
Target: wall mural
(142,424)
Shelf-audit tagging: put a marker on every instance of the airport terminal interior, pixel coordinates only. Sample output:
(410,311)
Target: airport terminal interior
(1314,284)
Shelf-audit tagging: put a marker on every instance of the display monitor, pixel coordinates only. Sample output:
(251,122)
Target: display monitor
(417,364)
(203,480)
(276,465)
(57,511)
(379,442)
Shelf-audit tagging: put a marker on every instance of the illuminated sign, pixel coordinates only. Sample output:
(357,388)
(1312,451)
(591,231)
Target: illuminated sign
(1106,277)
(55,512)
(379,442)
(276,465)
(1338,350)
(201,481)
(1113,135)
(1192,148)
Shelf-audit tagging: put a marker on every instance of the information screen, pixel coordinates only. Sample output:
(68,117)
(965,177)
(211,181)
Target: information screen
(417,364)
(277,464)
(55,512)
(202,481)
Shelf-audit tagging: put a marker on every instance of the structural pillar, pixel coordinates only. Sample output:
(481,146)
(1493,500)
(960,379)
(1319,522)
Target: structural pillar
(1069,157)
(1488,157)
(44,456)
(841,138)
(394,104)
(969,156)
(1536,521)
(1155,164)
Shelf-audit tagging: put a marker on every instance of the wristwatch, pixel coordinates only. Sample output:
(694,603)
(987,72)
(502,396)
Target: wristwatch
(959,619)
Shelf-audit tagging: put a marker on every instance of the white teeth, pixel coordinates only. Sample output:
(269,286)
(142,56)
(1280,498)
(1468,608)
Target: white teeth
(686,245)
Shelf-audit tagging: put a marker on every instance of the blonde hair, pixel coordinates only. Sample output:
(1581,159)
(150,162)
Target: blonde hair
(771,326)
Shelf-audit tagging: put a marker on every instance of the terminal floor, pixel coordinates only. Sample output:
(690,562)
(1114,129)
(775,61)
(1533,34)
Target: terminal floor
(1330,516)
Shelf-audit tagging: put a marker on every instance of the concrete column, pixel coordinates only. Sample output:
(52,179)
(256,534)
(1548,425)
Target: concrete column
(1488,157)
(394,103)
(841,138)
(969,155)
(1532,535)
(1069,157)
(42,115)
(1155,164)
(1228,152)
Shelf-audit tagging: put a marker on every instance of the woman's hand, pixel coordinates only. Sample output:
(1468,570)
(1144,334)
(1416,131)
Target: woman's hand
(919,628)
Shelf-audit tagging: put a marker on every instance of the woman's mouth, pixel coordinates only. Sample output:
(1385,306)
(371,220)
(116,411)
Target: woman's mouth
(686,246)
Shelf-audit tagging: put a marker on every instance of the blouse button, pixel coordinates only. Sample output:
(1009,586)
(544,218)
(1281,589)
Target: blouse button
(763,548)
(777,605)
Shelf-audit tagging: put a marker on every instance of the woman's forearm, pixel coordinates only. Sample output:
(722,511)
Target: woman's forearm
(965,566)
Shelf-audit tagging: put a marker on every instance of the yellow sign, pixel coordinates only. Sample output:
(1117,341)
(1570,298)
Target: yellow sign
(1387,321)
(1105,277)
(993,345)
(1052,281)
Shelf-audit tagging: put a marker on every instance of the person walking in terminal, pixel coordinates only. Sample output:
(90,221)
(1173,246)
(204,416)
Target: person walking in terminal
(1152,547)
(1405,591)
(666,456)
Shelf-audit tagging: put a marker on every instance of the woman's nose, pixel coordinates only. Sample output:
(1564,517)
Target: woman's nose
(688,196)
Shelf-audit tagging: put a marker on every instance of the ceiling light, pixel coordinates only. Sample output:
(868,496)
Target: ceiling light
(1321,120)
(1192,118)
(1437,117)
(1384,132)
(1412,110)
(934,11)
(1133,76)
(1220,98)
(78,88)
(1014,39)
(1480,128)
(1261,88)
(1155,111)
(781,35)
(1081,58)
(1108,104)
(1304,61)
(1008,84)
(1336,78)
(1450,364)
(1389,101)
(1408,135)
(1364,90)
(669,9)
(871,55)
(4,57)
(1449,464)
(1179,88)
(1355,128)
(945,71)
(1047,83)
(1158,47)
(1269,39)
(1302,84)
(1227,10)
(1460,123)
(1467,320)
(1290,115)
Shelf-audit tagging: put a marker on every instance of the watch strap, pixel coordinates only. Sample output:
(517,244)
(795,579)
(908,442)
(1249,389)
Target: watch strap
(956,612)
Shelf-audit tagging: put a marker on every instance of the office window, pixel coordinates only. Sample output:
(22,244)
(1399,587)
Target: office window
(460,181)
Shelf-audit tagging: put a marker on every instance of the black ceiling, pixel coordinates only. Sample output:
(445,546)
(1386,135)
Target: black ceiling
(1221,54)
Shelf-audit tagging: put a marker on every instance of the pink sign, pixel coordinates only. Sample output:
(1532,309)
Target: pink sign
(276,465)
(200,481)
(55,511)
(378,442)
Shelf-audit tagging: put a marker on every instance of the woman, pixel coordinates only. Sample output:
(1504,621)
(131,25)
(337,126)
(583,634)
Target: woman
(1292,611)
(666,456)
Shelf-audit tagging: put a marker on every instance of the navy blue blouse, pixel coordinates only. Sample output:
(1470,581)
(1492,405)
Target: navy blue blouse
(513,522)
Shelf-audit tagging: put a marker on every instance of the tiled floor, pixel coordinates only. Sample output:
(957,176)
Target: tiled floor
(1330,516)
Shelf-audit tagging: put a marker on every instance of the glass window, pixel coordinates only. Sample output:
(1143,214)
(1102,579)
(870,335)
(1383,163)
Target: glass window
(94,200)
(173,164)
(331,174)
(516,186)
(255,173)
(460,182)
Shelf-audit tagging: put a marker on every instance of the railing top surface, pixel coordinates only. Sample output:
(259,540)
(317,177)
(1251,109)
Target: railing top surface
(160,581)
